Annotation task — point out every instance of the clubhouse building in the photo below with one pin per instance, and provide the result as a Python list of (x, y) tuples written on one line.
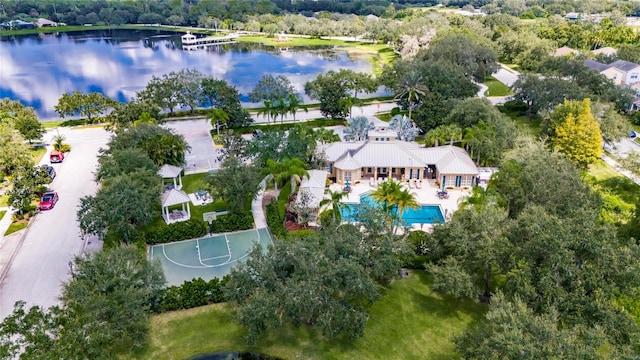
[(384, 157)]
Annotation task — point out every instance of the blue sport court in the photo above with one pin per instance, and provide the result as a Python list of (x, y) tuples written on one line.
[(207, 257)]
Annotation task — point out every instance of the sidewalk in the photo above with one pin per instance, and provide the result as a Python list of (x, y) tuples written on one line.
[(256, 207), (620, 169)]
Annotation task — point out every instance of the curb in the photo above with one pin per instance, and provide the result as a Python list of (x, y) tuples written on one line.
[(5, 269)]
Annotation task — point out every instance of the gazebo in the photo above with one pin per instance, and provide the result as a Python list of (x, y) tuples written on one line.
[(172, 172), (175, 197)]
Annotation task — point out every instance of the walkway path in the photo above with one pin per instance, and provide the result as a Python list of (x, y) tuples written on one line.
[(621, 169), (259, 218)]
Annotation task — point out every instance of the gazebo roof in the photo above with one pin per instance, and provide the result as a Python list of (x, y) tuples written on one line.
[(169, 171), (174, 197)]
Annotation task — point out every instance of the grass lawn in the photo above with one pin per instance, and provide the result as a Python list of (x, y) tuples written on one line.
[(2, 212), (16, 226), (377, 54), (409, 322), (618, 184), (496, 88), (51, 124), (191, 184), (37, 152), (4, 200)]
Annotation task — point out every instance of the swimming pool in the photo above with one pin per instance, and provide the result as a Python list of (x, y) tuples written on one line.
[(426, 214)]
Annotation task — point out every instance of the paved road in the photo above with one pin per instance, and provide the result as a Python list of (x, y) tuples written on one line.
[(52, 238), (506, 75)]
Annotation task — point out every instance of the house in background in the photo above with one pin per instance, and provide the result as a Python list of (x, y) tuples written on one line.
[(19, 25), (42, 22), (607, 50), (383, 156), (620, 72), (565, 51)]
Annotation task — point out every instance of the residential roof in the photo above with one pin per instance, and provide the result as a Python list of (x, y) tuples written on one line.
[(347, 162), (174, 197), (169, 171), (333, 151), (43, 21), (382, 132), (605, 50), (314, 185), (623, 65), (564, 51), (456, 161), (595, 65)]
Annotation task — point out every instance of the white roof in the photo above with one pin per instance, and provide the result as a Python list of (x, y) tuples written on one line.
[(174, 197), (169, 171), (313, 185), (386, 154), (608, 50), (383, 132), (456, 161), (334, 151), (347, 162), (43, 21)]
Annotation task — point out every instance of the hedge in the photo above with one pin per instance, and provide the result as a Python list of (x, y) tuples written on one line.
[(233, 221), (190, 229), (190, 294), (313, 123), (275, 220)]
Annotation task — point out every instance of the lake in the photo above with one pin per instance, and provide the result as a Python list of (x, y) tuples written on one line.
[(38, 69)]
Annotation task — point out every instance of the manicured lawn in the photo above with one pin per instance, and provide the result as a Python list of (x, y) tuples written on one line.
[(613, 181), (191, 184), (4, 200), (496, 88), (37, 153), (2, 213), (16, 226), (296, 41), (51, 124), (409, 322)]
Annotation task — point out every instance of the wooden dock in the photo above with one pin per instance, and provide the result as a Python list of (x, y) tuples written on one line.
[(191, 42)]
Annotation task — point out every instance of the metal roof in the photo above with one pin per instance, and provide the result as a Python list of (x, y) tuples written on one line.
[(347, 162), (169, 171), (313, 185), (174, 197)]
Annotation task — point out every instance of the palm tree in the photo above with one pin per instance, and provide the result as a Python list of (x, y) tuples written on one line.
[(282, 109), (276, 171), (294, 103), (294, 168), (218, 117), (325, 136), (387, 193), (335, 201), (269, 111), (405, 200), (411, 87)]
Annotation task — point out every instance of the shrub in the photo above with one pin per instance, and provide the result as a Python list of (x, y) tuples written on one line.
[(65, 148), (76, 122), (190, 229), (190, 294), (233, 221), (302, 234), (275, 220), (287, 126)]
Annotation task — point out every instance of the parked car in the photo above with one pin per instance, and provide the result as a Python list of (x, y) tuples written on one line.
[(48, 200), (50, 171), (56, 156), (633, 134)]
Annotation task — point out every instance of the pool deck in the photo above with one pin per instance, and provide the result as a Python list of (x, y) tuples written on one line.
[(425, 196)]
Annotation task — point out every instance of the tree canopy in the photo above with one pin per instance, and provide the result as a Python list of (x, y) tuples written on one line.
[(579, 137)]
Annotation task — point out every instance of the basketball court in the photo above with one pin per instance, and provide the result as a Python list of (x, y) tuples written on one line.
[(207, 257)]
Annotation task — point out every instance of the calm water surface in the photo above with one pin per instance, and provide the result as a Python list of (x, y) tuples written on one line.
[(38, 69)]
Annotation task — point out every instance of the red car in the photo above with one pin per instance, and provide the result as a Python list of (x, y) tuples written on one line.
[(48, 200), (56, 156)]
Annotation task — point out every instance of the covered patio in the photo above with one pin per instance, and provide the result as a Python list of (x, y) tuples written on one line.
[(171, 172), (174, 197)]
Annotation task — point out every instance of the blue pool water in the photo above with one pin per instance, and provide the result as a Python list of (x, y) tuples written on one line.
[(426, 214)]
